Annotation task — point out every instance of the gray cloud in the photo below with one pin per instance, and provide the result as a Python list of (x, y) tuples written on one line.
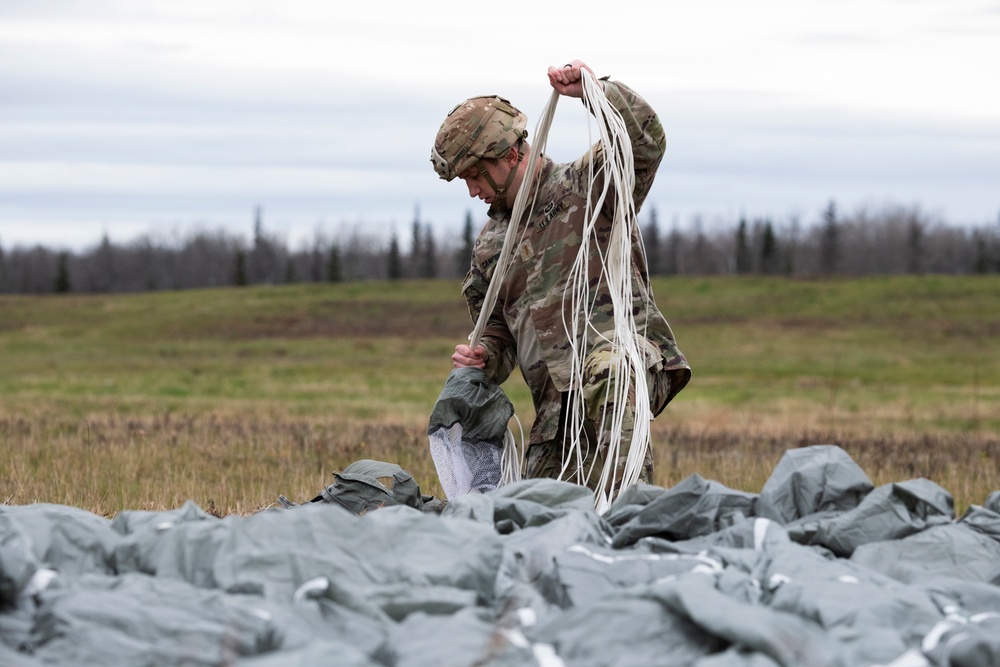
[(147, 136)]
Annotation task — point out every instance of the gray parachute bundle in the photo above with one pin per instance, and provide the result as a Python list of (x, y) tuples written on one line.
[(367, 485), (820, 569), (470, 443)]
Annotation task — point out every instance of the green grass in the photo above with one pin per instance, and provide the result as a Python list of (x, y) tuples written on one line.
[(235, 395), (924, 348)]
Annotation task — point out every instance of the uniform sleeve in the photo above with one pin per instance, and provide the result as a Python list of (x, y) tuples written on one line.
[(501, 349), (645, 131)]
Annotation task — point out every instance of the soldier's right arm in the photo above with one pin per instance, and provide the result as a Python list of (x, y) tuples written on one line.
[(501, 347)]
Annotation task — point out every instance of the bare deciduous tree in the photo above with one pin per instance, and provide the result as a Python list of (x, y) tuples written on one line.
[(891, 240)]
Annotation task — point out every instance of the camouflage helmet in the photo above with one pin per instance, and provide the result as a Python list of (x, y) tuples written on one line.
[(480, 127)]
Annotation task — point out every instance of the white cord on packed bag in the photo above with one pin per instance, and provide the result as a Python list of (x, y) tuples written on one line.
[(510, 458)]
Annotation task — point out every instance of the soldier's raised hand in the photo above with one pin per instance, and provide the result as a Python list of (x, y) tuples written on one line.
[(567, 80)]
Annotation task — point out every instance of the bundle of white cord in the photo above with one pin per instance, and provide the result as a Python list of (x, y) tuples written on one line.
[(628, 371), (616, 171)]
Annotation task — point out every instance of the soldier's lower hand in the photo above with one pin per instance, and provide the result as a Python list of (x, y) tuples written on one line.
[(465, 356)]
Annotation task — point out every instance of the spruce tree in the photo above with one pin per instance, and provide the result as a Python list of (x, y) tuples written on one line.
[(334, 265), (395, 267), (768, 249), (651, 239), (240, 268), (463, 256), (62, 284), (429, 268), (829, 251), (743, 264)]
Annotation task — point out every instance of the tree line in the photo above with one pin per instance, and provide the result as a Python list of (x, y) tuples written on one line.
[(892, 240)]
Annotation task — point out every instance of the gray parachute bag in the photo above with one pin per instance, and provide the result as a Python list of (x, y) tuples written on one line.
[(468, 434), (368, 485)]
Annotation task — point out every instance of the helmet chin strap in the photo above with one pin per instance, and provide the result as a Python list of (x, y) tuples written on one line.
[(500, 192)]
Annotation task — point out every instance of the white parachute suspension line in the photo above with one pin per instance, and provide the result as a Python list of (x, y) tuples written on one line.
[(628, 361), (577, 292), (511, 457), (580, 294), (520, 203)]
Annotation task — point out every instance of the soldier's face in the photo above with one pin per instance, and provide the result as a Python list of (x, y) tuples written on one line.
[(478, 185)]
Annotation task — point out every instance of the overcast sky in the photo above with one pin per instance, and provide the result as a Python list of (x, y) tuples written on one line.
[(132, 117)]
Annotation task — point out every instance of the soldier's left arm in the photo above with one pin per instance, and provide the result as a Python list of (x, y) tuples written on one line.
[(644, 130)]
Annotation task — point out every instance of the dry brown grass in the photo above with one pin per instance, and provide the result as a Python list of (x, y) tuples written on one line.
[(227, 464), (239, 464), (230, 397)]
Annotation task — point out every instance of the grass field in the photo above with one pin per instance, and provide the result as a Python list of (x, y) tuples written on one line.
[(229, 397)]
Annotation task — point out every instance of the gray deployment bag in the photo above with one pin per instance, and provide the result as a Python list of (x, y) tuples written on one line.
[(467, 434), (359, 488)]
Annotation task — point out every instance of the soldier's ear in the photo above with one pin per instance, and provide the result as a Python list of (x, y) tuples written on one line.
[(512, 157)]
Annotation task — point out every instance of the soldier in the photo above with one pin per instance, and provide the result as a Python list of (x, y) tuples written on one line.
[(483, 142)]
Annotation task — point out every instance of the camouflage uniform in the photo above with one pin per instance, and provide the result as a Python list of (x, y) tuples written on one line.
[(526, 327)]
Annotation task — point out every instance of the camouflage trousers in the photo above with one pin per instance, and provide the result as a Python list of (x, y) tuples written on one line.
[(546, 459)]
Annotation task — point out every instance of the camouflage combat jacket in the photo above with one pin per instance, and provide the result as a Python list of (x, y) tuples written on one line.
[(526, 327)]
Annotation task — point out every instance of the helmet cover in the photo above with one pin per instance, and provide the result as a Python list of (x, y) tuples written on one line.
[(480, 127)]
